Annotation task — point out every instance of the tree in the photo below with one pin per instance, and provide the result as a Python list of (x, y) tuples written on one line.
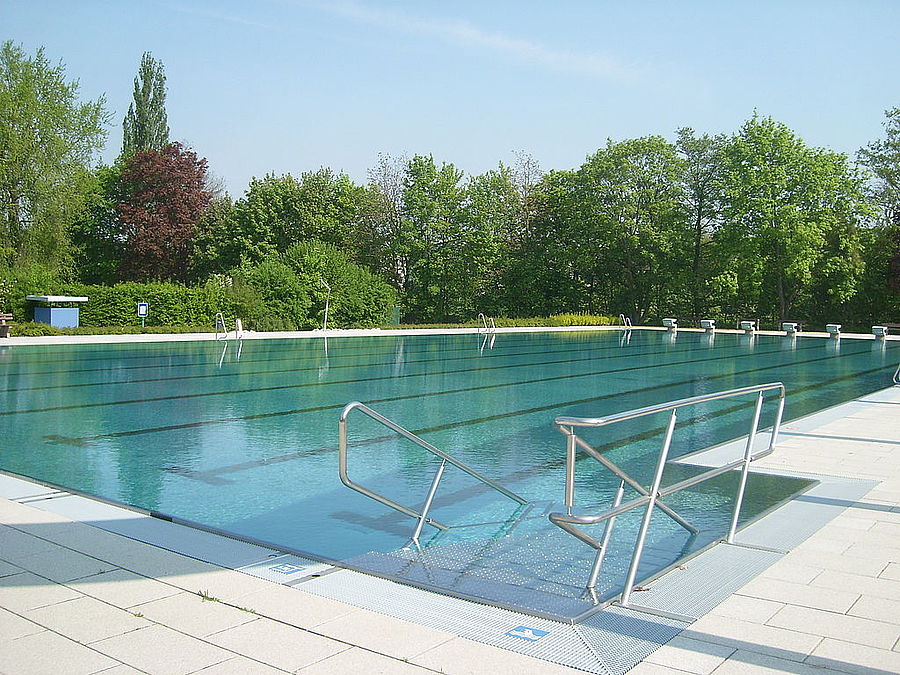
[(701, 179), (882, 157), (433, 200), (146, 125), (48, 139), (790, 215), (630, 243), (163, 197)]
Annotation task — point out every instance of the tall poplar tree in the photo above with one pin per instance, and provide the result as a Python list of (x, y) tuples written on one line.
[(146, 126)]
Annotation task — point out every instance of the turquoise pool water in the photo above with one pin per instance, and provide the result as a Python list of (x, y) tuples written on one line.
[(243, 437)]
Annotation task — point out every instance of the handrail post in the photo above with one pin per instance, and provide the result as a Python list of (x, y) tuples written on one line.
[(604, 543), (648, 514), (570, 469), (745, 469), (776, 427), (427, 505)]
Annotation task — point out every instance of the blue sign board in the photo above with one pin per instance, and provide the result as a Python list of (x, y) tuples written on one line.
[(526, 633), (143, 309)]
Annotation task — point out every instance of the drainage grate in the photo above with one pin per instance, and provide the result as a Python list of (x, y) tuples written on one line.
[(284, 569)]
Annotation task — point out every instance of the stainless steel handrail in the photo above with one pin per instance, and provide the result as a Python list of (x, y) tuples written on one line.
[(652, 497), (445, 458), (220, 323), (897, 375), (626, 321), (484, 320)]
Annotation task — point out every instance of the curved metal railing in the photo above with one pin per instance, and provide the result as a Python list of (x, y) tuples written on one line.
[(653, 496), (445, 459)]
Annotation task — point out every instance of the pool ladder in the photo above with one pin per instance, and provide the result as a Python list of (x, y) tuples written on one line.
[(421, 517), (484, 328), (652, 497), (222, 328)]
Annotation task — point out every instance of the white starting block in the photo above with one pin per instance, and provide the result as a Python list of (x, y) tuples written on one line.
[(880, 331), (833, 329), (789, 327), (671, 324), (708, 324), (748, 326)]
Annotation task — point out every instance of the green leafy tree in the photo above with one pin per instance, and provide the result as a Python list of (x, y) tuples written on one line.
[(48, 139), (278, 211), (882, 157), (790, 215), (97, 237), (146, 125), (433, 215), (702, 205), (630, 243)]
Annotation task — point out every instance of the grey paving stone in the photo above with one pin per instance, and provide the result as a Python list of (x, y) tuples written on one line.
[(162, 651), (86, 619)]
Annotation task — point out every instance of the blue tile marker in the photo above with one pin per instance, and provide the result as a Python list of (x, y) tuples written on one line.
[(287, 568), (526, 633)]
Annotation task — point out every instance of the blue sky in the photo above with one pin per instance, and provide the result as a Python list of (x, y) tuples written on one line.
[(291, 85)]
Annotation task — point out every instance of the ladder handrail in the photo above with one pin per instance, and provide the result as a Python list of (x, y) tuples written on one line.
[(446, 458), (484, 320), (897, 375), (626, 320), (220, 321), (569, 522)]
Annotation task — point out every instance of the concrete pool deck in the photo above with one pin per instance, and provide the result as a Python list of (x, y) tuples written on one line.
[(75, 598)]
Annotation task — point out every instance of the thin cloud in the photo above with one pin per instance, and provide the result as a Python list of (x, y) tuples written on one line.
[(466, 34)]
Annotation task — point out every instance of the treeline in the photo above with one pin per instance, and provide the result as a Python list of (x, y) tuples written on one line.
[(756, 224)]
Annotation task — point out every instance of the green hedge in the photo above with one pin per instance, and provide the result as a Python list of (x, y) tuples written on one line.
[(170, 304)]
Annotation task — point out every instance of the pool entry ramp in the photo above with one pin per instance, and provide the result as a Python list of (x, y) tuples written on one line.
[(522, 566)]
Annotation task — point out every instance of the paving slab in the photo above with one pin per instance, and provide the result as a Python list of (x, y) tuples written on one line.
[(293, 606), (46, 652), (162, 651), (86, 619), (123, 588), (13, 626), (276, 644), (787, 592), (384, 634), (193, 615), (854, 658), (690, 655), (21, 592), (839, 626), (356, 660)]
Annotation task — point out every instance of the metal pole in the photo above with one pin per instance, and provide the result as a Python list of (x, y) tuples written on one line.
[(327, 300), (648, 514), (777, 426), (604, 543), (748, 453), (431, 491), (570, 469)]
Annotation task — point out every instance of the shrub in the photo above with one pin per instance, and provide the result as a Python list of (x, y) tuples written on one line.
[(271, 297), (32, 329)]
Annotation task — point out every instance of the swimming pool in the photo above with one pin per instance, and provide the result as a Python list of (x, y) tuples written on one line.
[(242, 437)]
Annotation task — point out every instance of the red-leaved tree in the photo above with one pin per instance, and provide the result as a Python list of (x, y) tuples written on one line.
[(163, 196)]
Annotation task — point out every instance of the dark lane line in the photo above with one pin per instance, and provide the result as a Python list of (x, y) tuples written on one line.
[(213, 476), (299, 385), (440, 358), (292, 356), (86, 440), (511, 339)]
